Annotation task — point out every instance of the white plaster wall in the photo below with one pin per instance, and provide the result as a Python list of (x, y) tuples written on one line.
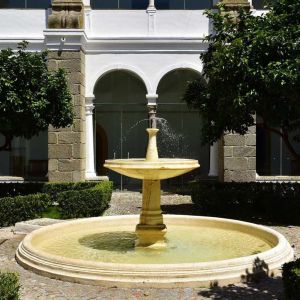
[(150, 67), (135, 23), (181, 23), (22, 23), (117, 23)]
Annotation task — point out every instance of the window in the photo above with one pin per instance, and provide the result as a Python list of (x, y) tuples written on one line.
[(27, 158), (183, 4), (273, 157), (119, 4), (258, 4), (25, 4), (143, 4)]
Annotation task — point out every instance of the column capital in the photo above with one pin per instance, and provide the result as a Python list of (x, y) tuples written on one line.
[(89, 105), (89, 101), (151, 99), (151, 7), (235, 5)]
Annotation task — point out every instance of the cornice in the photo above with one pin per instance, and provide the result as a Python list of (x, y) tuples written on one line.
[(77, 39)]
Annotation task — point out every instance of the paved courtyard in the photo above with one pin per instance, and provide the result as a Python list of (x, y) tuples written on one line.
[(38, 287)]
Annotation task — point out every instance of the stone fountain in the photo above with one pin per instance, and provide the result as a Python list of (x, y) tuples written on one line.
[(153, 250), (151, 228)]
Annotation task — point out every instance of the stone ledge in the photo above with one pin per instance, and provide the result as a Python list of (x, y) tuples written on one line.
[(97, 178), (8, 179), (26, 227), (278, 178)]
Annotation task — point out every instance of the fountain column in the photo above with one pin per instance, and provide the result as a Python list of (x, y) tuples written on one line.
[(90, 156), (151, 229)]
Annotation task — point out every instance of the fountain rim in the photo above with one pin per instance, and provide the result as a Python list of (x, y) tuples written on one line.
[(160, 162), (281, 243)]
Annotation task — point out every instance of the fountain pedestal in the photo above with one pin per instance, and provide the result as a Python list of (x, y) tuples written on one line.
[(151, 229)]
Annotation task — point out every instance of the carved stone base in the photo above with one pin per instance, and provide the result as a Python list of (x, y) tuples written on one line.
[(66, 14), (151, 236)]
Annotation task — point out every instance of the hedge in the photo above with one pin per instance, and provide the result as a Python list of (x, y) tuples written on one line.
[(73, 200), (9, 286), (20, 208), (85, 203), (276, 202), (26, 188), (291, 280)]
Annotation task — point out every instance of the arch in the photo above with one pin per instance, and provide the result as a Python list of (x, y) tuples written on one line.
[(179, 66), (122, 67)]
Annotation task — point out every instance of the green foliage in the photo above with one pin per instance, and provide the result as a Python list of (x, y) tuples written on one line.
[(52, 212), (65, 200), (291, 280), (53, 189), (21, 208), (31, 97), (9, 286), (85, 203), (252, 66), (276, 202), (20, 189)]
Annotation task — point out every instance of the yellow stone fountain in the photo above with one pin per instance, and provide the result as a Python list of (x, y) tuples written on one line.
[(151, 229), (194, 251)]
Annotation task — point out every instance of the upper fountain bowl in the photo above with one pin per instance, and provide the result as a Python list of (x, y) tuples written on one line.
[(162, 168)]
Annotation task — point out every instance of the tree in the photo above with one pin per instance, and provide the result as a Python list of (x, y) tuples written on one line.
[(252, 66), (31, 97)]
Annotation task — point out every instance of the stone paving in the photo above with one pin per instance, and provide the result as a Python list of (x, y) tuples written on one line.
[(38, 287)]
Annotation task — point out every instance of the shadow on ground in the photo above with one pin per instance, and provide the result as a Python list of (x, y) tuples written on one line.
[(267, 289), (258, 283)]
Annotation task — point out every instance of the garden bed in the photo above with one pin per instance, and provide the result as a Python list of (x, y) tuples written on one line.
[(25, 201), (251, 201)]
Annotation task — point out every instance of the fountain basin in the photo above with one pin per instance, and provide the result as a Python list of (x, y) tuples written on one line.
[(36, 254), (161, 168)]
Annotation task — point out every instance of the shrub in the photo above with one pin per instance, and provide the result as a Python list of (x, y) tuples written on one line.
[(81, 199), (9, 286), (85, 203), (53, 189), (291, 280), (279, 202), (20, 208)]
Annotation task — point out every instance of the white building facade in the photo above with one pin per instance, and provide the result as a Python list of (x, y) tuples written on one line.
[(121, 57)]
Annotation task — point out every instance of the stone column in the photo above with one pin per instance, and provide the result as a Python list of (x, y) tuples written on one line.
[(151, 11), (66, 146), (232, 6), (213, 160), (90, 156), (239, 156)]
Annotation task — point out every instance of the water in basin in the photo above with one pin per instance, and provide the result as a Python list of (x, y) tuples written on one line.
[(185, 244)]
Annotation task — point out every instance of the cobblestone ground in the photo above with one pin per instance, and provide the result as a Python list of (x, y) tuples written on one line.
[(38, 287)]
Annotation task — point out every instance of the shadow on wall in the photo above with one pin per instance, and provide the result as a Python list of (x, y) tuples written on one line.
[(257, 284)]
